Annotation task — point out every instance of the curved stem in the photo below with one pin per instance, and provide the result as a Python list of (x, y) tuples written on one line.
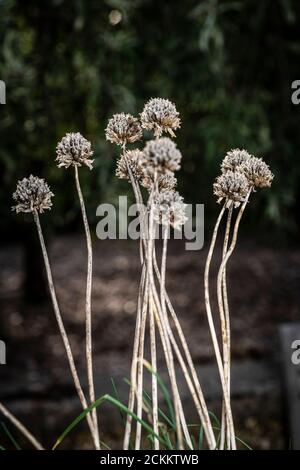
[(62, 327), (219, 284), (198, 394), (211, 322), (20, 427), (88, 307), (225, 327)]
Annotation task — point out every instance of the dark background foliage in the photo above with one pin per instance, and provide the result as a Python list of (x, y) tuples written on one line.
[(228, 66)]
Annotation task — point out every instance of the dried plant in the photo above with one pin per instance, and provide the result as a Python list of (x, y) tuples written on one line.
[(28, 198), (241, 174), (74, 150), (154, 169)]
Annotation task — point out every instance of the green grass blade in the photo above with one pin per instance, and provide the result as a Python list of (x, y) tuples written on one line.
[(97, 403), (10, 436)]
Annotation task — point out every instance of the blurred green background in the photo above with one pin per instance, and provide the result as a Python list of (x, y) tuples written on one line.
[(228, 66)]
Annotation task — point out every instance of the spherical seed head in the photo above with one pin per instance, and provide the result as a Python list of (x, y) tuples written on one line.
[(160, 115), (257, 173), (167, 182), (234, 159), (74, 150), (233, 186), (162, 155), (134, 159), (169, 209), (32, 194), (123, 129)]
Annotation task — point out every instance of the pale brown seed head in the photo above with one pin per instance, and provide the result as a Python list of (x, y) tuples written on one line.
[(257, 172), (74, 150), (162, 155), (234, 159), (32, 194), (123, 129), (134, 159), (233, 186), (160, 115), (169, 209)]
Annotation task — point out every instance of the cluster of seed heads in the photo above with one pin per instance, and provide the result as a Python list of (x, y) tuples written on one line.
[(241, 173), (154, 166), (74, 150), (160, 115), (32, 195)]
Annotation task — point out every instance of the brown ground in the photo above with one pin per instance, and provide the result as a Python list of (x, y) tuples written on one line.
[(264, 292)]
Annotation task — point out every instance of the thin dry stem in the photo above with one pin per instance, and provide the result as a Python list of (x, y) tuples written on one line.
[(211, 322), (62, 328), (225, 322), (21, 427), (88, 307)]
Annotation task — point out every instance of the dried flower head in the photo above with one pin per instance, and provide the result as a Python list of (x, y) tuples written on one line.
[(134, 159), (233, 186), (166, 182), (234, 159), (74, 150), (32, 194), (257, 173), (169, 209), (123, 129), (160, 115), (162, 155)]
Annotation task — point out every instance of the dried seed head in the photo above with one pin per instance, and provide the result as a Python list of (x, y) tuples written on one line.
[(169, 209), (74, 150), (160, 115), (257, 173), (162, 155), (32, 194), (123, 129), (234, 159), (166, 182), (135, 160), (233, 186)]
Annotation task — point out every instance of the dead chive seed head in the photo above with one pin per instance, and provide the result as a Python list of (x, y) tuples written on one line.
[(134, 159), (257, 173), (162, 155), (169, 209), (74, 150), (32, 194), (233, 159), (232, 186), (123, 129), (165, 182), (160, 115)]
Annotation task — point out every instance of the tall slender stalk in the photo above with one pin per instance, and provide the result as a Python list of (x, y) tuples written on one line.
[(62, 328), (225, 322), (134, 362), (196, 392), (221, 274), (211, 322), (88, 307), (21, 427)]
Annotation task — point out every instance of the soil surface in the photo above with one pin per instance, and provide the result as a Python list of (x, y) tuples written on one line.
[(35, 383)]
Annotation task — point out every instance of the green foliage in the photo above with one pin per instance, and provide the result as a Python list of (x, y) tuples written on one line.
[(228, 65)]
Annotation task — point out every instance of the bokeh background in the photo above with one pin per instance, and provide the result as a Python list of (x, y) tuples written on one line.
[(68, 66)]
